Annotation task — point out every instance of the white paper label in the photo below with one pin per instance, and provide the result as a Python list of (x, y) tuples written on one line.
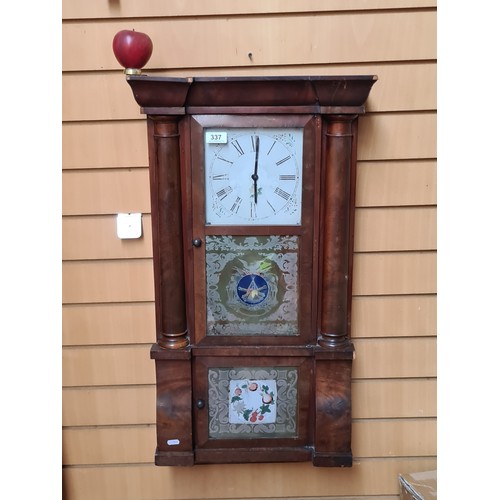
[(216, 137)]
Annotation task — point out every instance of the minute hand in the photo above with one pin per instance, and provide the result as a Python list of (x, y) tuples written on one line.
[(255, 176)]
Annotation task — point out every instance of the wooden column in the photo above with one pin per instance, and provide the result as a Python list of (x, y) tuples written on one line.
[(172, 353), (334, 353), (334, 332), (166, 216)]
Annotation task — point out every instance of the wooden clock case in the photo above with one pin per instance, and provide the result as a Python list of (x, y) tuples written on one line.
[(321, 355)]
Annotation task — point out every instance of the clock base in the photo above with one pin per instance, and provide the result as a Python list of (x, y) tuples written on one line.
[(252, 455), (176, 458), (332, 459)]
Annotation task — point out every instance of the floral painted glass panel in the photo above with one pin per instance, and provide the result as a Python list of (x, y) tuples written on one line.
[(252, 285), (252, 402)]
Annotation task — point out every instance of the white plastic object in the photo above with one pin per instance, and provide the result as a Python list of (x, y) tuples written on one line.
[(129, 226)]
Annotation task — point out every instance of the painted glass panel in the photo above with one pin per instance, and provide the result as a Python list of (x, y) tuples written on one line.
[(252, 285), (250, 402)]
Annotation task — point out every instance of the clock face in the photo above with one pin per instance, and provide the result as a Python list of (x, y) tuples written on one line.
[(253, 176)]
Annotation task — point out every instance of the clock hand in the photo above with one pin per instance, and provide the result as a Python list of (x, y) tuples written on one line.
[(255, 177)]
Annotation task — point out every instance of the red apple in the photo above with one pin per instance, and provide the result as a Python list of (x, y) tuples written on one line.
[(132, 48)]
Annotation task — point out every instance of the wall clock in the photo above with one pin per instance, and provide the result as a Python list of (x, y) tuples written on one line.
[(252, 202)]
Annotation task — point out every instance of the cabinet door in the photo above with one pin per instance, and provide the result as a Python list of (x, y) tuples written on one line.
[(244, 406), (249, 274)]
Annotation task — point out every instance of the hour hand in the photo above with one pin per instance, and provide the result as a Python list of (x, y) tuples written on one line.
[(255, 176)]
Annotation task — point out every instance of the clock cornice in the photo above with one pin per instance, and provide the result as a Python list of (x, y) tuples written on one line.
[(159, 95)]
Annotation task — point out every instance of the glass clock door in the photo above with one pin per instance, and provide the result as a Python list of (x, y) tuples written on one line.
[(253, 213)]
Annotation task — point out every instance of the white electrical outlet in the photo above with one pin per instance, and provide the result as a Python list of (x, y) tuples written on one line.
[(129, 226)]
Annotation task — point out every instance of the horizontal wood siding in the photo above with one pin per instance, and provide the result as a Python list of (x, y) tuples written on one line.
[(368, 477), (103, 96), (133, 322), (82, 9), (108, 395), (373, 36), (130, 364), (132, 444), (112, 145), (397, 398), (381, 229)]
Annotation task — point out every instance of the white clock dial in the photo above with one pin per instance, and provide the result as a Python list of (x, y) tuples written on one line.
[(253, 176)]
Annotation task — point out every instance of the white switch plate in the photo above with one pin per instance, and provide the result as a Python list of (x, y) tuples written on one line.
[(129, 226)]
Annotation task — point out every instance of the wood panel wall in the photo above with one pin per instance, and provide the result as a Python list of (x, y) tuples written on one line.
[(108, 318)]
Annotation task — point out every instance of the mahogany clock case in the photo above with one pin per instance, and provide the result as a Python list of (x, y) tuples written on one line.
[(231, 390)]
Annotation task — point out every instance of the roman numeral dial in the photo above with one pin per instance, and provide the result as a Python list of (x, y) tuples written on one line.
[(253, 176)]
